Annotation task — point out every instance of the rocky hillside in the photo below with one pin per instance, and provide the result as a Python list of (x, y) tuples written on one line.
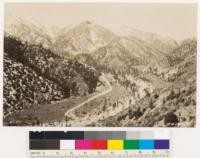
[(113, 49), (157, 74), (24, 87), (26, 30), (129, 52), (187, 49), (103, 46), (34, 75), (174, 104), (161, 43), (182, 62), (81, 39)]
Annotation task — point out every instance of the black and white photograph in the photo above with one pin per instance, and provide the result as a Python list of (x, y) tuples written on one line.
[(100, 64)]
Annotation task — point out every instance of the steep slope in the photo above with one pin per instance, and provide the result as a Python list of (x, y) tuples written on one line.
[(27, 30), (128, 52), (172, 105), (182, 62), (86, 58), (112, 49), (24, 87), (34, 75), (161, 43), (84, 38), (129, 47), (186, 50)]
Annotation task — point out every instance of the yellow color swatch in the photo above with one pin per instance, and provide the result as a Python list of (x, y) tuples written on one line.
[(115, 144)]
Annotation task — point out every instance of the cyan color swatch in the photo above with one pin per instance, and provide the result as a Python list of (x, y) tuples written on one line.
[(146, 144)]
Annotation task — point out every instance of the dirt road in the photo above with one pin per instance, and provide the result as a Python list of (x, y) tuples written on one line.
[(103, 79)]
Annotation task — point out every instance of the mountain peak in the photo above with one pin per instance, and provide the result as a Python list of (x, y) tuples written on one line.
[(87, 22)]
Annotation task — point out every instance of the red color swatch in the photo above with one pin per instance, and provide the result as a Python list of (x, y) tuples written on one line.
[(99, 144)]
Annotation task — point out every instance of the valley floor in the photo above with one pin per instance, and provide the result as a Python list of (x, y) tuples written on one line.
[(110, 105)]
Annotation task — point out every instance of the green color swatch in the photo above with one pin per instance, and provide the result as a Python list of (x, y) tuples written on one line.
[(131, 144)]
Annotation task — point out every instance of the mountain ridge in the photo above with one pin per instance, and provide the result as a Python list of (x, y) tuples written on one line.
[(133, 48)]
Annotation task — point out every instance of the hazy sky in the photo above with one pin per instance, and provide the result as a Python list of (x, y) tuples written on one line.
[(178, 21)]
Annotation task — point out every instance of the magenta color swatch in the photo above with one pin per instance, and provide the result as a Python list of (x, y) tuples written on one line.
[(83, 144)]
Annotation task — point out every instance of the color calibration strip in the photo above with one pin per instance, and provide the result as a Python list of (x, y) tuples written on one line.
[(99, 140)]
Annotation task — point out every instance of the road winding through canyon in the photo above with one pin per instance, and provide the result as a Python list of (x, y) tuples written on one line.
[(104, 80)]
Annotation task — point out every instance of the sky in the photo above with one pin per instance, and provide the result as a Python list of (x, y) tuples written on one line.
[(178, 21)]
